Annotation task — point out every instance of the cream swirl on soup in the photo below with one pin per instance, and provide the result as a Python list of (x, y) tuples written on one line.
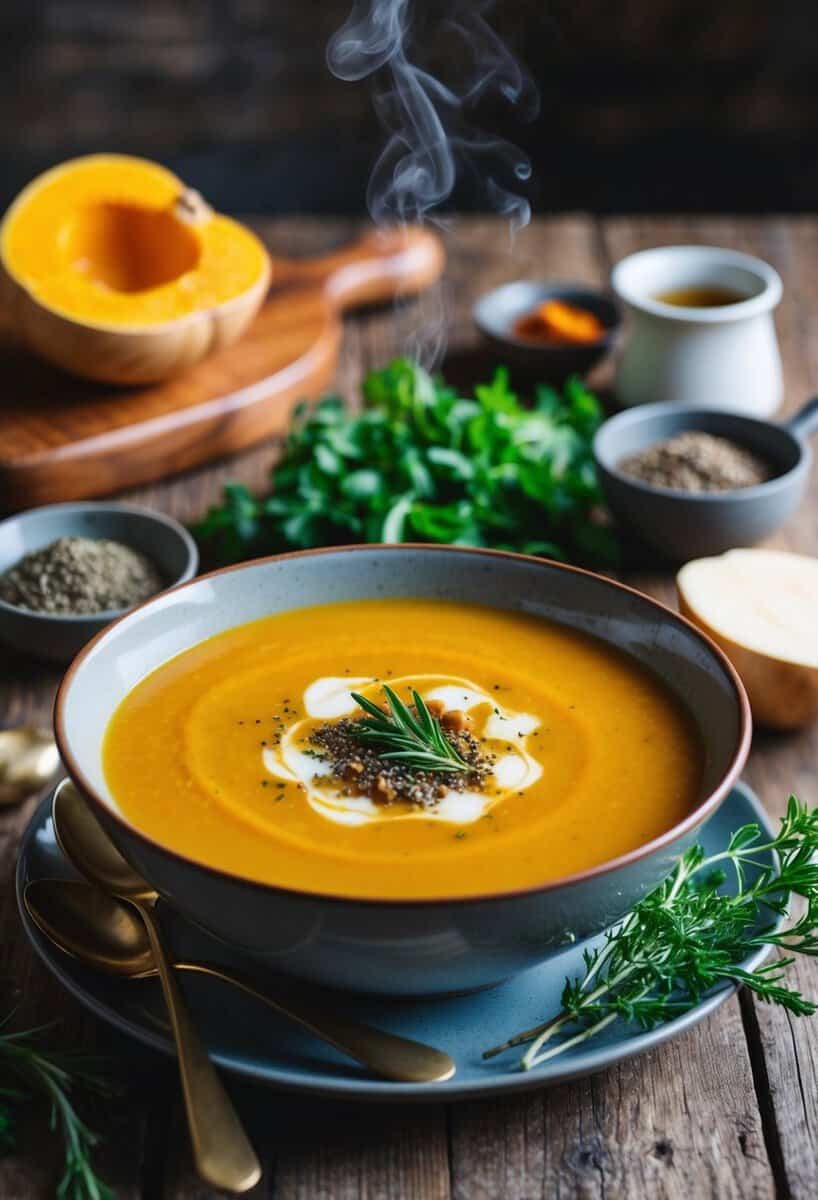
[(503, 736)]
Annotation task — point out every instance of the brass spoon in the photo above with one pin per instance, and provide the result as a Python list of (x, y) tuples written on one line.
[(28, 759), (95, 928), (223, 1155)]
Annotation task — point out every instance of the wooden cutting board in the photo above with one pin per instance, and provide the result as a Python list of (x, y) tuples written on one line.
[(64, 439)]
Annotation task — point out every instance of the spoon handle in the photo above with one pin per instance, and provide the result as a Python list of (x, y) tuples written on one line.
[(805, 421), (224, 1157), (399, 1059)]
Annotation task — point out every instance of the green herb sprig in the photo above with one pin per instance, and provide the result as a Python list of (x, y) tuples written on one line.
[(423, 463), (417, 742), (687, 936), (54, 1078)]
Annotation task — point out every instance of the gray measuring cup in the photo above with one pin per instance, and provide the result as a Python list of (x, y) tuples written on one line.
[(685, 525)]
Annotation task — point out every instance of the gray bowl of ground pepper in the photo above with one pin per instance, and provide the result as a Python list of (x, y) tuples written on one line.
[(68, 570), (697, 482)]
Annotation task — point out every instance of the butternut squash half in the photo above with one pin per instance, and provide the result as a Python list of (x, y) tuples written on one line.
[(117, 272)]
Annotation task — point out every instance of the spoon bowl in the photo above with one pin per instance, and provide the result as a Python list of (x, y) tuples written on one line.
[(28, 759), (91, 926), (223, 1155), (85, 843), (105, 933)]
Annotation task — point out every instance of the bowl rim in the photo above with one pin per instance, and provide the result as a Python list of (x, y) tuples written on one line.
[(107, 615), (567, 289), (762, 301), (758, 491), (693, 819)]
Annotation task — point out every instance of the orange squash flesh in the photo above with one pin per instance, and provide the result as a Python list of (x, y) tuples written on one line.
[(117, 245)]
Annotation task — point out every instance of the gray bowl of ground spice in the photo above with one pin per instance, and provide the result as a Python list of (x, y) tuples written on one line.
[(697, 482), (68, 570)]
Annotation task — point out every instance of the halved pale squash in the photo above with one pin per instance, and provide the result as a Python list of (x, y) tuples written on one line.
[(761, 607), (114, 270)]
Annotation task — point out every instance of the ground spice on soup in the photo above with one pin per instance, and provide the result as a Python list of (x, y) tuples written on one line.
[(80, 575), (697, 462), (362, 771)]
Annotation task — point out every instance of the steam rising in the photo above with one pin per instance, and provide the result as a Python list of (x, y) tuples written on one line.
[(429, 137)]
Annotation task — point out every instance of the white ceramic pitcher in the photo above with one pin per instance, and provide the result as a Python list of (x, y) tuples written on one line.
[(722, 357)]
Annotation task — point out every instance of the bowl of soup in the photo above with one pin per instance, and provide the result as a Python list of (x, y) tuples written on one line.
[(405, 769)]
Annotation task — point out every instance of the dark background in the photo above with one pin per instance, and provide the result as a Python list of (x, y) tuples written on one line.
[(647, 105)]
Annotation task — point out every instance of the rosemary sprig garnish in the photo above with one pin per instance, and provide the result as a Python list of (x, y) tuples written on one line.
[(53, 1078), (417, 742), (687, 936)]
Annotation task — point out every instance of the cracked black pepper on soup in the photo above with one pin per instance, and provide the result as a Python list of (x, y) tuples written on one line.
[(363, 769), (80, 575), (697, 462)]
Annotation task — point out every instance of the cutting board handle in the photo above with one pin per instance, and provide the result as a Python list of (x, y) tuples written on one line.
[(381, 265)]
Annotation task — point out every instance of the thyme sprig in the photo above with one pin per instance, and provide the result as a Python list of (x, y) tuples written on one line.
[(689, 935), (416, 741), (53, 1078)]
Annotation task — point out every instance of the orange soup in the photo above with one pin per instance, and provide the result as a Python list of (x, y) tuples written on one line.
[(246, 751)]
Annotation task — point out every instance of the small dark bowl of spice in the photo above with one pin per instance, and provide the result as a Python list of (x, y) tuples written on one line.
[(692, 482), (552, 329), (68, 570)]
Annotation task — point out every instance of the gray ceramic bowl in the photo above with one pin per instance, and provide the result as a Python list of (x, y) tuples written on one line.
[(496, 312), (685, 525), (401, 946), (60, 637)]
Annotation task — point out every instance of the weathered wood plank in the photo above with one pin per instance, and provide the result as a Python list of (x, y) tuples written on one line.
[(315, 1149), (782, 764), (667, 1125), (365, 1153)]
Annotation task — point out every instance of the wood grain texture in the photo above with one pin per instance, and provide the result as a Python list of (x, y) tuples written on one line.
[(63, 438), (727, 1111), (324, 1150), (787, 1055), (667, 1125)]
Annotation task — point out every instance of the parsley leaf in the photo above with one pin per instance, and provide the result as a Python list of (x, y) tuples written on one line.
[(422, 463)]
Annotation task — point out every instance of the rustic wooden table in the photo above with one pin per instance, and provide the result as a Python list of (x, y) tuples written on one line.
[(731, 1109)]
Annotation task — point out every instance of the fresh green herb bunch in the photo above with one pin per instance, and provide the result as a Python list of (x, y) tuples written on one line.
[(423, 463), (52, 1077), (416, 740), (688, 935)]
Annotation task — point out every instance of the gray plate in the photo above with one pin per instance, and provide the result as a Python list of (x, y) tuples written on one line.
[(246, 1038)]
